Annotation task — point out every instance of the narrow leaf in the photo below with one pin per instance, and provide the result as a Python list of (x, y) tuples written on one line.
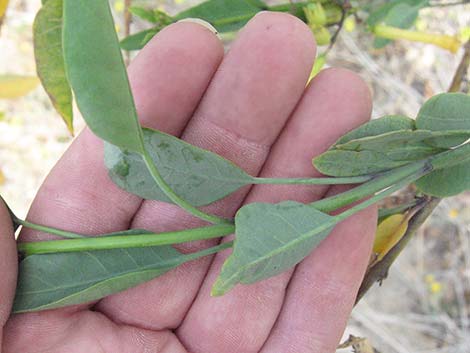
[(378, 126), (56, 280), (97, 74), (404, 139), (225, 15), (138, 40), (271, 238), (341, 163), (13, 86), (49, 57), (199, 176), (402, 144)]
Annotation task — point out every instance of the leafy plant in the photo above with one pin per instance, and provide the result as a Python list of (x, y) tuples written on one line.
[(384, 155)]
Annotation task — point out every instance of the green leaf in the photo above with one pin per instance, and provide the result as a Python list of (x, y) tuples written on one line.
[(342, 163), (378, 126), (97, 74), (402, 144), (50, 66), (271, 238), (447, 181), (380, 13), (55, 280), (446, 111), (153, 16), (401, 15), (199, 176), (224, 15), (138, 40)]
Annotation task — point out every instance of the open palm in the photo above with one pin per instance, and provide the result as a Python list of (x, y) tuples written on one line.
[(252, 107)]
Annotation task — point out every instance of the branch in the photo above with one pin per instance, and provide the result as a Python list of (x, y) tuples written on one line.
[(461, 70)]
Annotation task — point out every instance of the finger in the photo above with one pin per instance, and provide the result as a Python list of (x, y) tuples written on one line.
[(322, 291), (244, 317), (253, 93), (78, 194), (8, 267)]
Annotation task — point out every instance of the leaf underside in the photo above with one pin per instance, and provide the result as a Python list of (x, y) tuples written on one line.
[(60, 279), (97, 73), (270, 239), (199, 176)]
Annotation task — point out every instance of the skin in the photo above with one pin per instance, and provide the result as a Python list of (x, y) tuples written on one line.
[(252, 107)]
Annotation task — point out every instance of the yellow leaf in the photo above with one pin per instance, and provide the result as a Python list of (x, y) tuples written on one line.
[(3, 7), (2, 178), (389, 232), (12, 86)]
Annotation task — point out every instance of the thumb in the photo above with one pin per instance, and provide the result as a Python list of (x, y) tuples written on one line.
[(8, 267)]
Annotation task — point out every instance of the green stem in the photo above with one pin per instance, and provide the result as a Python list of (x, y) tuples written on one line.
[(161, 183), (372, 200), (125, 241), (313, 181), (386, 212), (46, 229), (209, 251), (375, 185)]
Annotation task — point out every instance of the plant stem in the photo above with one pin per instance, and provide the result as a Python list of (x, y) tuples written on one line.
[(378, 183), (125, 241), (50, 230), (161, 183), (313, 181), (370, 201), (386, 212), (209, 251)]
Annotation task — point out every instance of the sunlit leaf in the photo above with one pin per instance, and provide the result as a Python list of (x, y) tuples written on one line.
[(50, 64)]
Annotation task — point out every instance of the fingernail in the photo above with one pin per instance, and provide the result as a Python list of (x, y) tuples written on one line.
[(200, 22)]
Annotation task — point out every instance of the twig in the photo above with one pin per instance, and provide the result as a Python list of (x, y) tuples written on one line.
[(345, 7), (459, 75)]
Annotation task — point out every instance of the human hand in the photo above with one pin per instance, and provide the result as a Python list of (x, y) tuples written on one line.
[(251, 107)]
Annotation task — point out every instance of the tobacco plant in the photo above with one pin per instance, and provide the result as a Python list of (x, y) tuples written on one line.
[(382, 156)]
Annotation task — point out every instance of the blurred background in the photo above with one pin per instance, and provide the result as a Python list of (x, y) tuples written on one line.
[(424, 304)]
